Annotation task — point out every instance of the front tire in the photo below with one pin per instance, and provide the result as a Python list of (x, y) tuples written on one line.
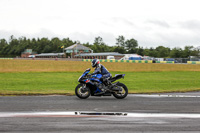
[(82, 92), (123, 93)]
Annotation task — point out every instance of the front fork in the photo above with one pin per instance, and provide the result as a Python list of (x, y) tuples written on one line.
[(84, 88)]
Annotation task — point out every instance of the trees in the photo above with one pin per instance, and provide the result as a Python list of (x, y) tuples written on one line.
[(188, 51), (162, 51), (195, 52), (131, 44), (55, 45), (120, 41), (176, 53), (3, 43), (127, 46), (13, 44), (98, 41), (99, 45), (14, 47), (3, 46), (119, 49), (96, 45), (67, 42), (140, 51)]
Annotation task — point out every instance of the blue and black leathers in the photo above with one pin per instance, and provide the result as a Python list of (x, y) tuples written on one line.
[(100, 69)]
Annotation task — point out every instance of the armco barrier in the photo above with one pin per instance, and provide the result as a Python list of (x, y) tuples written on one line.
[(125, 61), (171, 62), (193, 62)]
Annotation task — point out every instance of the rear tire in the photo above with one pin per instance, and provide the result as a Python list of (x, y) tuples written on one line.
[(82, 94), (124, 92)]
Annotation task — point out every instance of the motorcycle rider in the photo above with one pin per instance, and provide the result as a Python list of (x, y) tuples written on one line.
[(100, 69)]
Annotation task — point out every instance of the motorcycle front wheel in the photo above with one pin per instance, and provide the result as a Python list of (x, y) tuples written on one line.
[(121, 94), (82, 92)]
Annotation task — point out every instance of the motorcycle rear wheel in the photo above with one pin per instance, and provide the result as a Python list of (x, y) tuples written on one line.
[(123, 93), (82, 92)]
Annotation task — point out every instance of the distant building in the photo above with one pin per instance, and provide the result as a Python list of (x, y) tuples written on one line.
[(77, 49), (50, 55), (99, 55), (27, 53)]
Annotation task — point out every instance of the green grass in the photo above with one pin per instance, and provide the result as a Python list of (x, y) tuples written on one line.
[(27, 83)]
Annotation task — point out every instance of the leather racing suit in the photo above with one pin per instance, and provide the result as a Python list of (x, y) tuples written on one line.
[(100, 69)]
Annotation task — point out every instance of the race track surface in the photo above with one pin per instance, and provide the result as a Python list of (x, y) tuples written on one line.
[(175, 112)]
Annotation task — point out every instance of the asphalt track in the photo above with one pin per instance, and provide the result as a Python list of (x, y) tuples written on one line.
[(176, 112)]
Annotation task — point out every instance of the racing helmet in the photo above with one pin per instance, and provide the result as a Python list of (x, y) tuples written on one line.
[(95, 62)]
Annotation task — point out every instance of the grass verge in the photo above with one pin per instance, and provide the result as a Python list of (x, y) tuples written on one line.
[(79, 66), (49, 83)]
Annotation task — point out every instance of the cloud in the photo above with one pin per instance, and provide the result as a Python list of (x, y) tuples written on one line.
[(122, 20), (177, 39), (7, 34), (108, 38), (163, 24), (151, 24), (191, 25), (42, 33)]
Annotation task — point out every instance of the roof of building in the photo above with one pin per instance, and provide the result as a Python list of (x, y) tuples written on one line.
[(77, 47), (50, 54), (132, 55), (101, 54)]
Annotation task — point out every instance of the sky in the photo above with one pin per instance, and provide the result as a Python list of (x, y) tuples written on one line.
[(169, 23)]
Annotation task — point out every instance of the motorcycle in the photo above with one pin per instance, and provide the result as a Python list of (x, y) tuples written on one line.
[(92, 85)]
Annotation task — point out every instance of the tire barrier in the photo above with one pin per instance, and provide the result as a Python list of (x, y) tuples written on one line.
[(132, 61), (125, 61), (193, 62), (165, 62)]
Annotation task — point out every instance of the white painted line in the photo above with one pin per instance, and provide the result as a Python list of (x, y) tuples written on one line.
[(29, 114), (163, 115), (72, 114), (160, 96)]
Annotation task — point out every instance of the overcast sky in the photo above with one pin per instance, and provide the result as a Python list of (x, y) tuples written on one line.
[(170, 23)]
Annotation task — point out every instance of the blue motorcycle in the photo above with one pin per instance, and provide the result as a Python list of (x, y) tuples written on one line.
[(92, 85)]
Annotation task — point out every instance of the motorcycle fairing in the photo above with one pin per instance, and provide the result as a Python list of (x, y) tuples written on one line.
[(117, 76)]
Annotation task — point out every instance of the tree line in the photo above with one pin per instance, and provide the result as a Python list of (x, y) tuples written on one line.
[(15, 46)]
